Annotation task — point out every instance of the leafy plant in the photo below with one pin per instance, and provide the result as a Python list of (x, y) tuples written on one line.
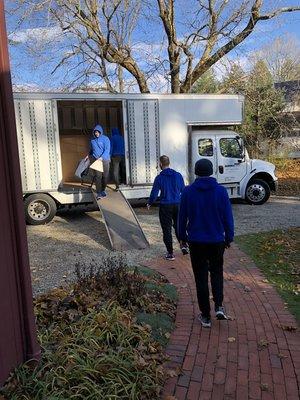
[(101, 337), (103, 355)]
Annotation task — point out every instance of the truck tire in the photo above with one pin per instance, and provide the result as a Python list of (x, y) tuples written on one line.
[(40, 209), (257, 192)]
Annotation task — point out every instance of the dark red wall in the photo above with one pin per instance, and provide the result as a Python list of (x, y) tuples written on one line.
[(18, 340)]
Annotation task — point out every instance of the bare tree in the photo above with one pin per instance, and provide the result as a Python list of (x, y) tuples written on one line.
[(196, 34), (282, 57)]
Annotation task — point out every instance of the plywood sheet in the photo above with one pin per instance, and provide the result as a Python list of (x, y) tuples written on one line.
[(73, 149)]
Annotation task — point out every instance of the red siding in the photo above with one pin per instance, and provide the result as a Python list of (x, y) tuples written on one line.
[(18, 340)]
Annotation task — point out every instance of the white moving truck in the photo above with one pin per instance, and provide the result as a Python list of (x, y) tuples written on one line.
[(54, 130)]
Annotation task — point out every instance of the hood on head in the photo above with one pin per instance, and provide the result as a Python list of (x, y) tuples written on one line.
[(99, 129), (205, 183), (115, 132)]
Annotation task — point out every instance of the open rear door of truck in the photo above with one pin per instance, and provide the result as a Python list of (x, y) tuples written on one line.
[(123, 227)]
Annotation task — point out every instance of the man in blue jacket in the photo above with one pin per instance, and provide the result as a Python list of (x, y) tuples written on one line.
[(100, 149), (170, 184), (206, 222), (117, 151)]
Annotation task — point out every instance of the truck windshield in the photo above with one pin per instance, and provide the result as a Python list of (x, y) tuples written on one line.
[(231, 148)]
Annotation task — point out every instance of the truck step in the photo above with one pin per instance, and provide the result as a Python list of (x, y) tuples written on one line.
[(122, 225)]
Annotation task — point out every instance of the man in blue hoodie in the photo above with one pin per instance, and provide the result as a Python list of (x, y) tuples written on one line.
[(170, 184), (206, 222), (100, 149), (117, 151)]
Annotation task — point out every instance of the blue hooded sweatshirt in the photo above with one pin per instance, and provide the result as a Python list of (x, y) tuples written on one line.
[(170, 184), (100, 146), (117, 143), (205, 213)]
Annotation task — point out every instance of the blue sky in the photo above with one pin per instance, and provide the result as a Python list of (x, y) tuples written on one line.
[(32, 66)]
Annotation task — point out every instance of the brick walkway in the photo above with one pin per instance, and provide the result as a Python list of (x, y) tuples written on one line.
[(250, 356)]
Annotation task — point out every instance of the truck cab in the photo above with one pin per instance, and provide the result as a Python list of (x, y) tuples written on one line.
[(252, 180)]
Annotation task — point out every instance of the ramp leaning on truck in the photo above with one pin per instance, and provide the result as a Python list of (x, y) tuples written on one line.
[(123, 227)]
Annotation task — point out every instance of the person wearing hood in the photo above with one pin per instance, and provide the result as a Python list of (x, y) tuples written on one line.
[(117, 152), (100, 149), (206, 222), (170, 184)]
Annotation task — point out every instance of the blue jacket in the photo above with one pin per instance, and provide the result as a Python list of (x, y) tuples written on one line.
[(117, 143), (100, 146), (205, 213), (170, 184)]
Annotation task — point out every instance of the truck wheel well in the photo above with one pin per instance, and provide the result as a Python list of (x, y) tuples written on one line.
[(48, 194), (265, 177)]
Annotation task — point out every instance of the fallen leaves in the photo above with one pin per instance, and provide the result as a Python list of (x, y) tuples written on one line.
[(263, 344), (281, 356), (230, 318), (289, 328), (172, 373), (231, 339), (264, 387)]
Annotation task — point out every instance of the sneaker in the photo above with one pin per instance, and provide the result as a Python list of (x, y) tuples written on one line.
[(103, 194), (220, 313), (185, 250), (170, 257), (205, 321), (99, 197)]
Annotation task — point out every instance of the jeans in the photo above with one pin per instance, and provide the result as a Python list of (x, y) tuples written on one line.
[(168, 215), (208, 257), (100, 178), (118, 163)]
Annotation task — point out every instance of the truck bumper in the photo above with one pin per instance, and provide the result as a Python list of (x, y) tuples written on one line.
[(275, 185)]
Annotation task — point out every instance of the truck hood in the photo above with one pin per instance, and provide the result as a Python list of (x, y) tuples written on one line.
[(262, 165)]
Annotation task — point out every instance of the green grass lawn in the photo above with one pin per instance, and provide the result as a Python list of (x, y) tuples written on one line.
[(276, 253)]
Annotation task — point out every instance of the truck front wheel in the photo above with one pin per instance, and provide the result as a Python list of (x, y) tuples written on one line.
[(257, 192), (39, 209)]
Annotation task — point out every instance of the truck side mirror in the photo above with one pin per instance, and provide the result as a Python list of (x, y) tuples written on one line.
[(242, 147)]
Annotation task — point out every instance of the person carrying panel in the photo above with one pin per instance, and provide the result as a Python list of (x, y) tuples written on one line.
[(100, 150)]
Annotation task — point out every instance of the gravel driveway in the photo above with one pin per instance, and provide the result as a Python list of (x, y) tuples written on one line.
[(77, 236)]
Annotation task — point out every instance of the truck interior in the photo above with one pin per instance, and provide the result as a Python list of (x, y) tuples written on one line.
[(76, 120)]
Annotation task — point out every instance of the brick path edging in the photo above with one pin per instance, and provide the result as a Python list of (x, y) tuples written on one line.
[(250, 356)]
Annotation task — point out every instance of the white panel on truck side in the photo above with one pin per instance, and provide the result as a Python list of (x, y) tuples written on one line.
[(37, 145), (154, 145), (143, 132), (25, 145), (42, 143)]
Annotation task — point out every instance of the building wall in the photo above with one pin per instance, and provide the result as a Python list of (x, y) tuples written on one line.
[(18, 341)]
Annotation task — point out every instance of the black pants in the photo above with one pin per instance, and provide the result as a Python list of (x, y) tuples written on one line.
[(208, 257), (100, 178), (118, 163), (168, 215)]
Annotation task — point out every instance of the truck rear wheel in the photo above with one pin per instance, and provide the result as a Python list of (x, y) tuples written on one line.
[(40, 209), (257, 192)]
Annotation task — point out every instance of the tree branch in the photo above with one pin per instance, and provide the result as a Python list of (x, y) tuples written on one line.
[(166, 13), (206, 62)]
